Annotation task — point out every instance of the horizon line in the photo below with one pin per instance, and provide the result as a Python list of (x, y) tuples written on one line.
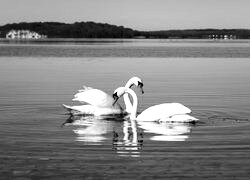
[(179, 29)]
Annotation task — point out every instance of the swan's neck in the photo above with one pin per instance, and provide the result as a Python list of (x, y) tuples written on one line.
[(127, 103), (129, 83), (135, 104), (126, 99)]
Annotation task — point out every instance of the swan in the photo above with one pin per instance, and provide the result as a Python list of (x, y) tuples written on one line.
[(166, 112), (99, 103)]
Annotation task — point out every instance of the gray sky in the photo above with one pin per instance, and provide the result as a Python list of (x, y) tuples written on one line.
[(136, 14)]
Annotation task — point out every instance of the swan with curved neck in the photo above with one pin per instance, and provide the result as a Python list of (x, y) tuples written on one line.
[(169, 112), (98, 102), (132, 81)]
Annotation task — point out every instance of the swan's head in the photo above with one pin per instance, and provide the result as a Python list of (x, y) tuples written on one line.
[(118, 93), (137, 82)]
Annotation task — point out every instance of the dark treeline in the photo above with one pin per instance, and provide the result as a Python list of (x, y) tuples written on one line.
[(101, 30), (198, 33), (75, 30)]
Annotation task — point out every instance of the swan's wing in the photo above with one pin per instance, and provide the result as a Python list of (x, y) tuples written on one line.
[(85, 88), (160, 111), (94, 97)]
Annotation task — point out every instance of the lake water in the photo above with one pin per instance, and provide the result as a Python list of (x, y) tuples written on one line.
[(39, 140)]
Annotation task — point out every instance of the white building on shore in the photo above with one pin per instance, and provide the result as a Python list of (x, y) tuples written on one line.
[(225, 37), (23, 34)]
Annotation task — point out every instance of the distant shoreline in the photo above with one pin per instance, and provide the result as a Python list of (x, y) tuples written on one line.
[(92, 30), (117, 40)]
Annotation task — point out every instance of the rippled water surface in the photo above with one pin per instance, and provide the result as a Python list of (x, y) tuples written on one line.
[(40, 140)]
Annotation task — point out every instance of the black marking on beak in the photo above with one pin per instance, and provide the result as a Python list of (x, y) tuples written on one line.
[(115, 97), (142, 91), (140, 85)]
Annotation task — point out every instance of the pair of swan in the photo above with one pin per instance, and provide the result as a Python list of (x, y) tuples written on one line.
[(100, 103), (97, 102)]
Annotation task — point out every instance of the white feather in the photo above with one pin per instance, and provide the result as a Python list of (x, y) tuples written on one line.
[(156, 112), (95, 97)]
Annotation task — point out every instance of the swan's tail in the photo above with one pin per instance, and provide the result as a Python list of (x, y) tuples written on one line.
[(69, 108), (75, 99), (74, 110)]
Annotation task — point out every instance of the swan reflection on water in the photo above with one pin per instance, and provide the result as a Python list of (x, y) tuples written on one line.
[(127, 136), (90, 129), (131, 142), (166, 131)]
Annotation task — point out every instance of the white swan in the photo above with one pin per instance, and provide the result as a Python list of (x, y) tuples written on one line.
[(167, 112), (98, 102)]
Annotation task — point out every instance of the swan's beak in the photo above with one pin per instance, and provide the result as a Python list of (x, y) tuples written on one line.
[(140, 84), (115, 97), (142, 91)]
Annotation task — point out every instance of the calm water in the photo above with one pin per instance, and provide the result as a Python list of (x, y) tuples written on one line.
[(40, 140)]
